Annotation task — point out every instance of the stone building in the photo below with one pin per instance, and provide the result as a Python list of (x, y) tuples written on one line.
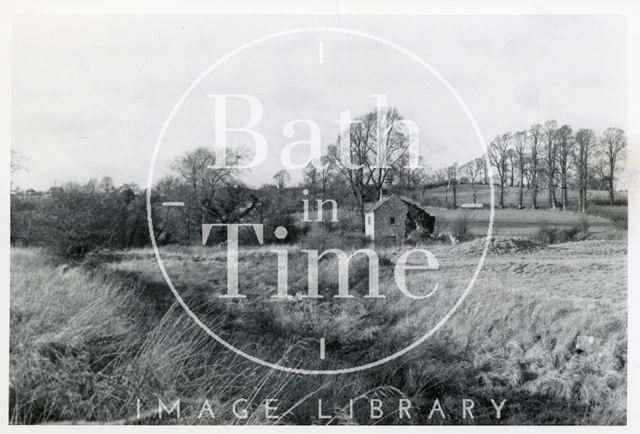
[(394, 217)]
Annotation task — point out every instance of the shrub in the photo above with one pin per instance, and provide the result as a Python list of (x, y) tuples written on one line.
[(553, 234), (72, 223), (583, 223), (461, 224), (294, 231), (419, 235)]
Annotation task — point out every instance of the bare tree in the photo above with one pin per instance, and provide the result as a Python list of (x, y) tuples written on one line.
[(520, 150), (511, 157), (194, 167), (326, 172), (281, 178), (424, 181), (613, 142), (391, 150), (498, 150), (403, 175), (585, 139), (106, 184), (442, 180), (565, 145), (550, 129), (535, 141), (481, 162), (472, 170), (311, 175), (366, 152), (452, 177)]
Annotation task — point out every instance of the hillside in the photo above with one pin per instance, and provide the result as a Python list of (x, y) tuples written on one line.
[(511, 196)]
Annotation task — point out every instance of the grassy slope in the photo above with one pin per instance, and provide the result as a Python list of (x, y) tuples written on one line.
[(510, 221), (515, 222), (511, 196), (84, 346)]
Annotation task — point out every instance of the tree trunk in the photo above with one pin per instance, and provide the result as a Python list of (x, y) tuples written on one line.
[(552, 191), (187, 226), (454, 197), (584, 195), (564, 192), (502, 183), (611, 170), (611, 197), (580, 187), (521, 191), (534, 181)]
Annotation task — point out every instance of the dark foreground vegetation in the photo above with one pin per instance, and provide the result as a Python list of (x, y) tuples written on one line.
[(85, 345)]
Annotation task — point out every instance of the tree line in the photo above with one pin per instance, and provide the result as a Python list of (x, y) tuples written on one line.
[(79, 218), (557, 158)]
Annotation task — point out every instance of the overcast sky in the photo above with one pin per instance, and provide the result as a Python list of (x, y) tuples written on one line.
[(90, 94)]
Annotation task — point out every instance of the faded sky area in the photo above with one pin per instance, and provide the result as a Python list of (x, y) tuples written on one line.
[(91, 94)]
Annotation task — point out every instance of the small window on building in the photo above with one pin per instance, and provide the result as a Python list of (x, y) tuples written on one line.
[(368, 219), (392, 220)]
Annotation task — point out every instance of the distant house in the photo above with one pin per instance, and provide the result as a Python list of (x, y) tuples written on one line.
[(394, 217)]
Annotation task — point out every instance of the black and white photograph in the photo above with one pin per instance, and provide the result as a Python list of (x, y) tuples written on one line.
[(331, 217)]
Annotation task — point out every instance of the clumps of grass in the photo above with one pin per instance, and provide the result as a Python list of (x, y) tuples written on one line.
[(85, 346), (419, 236), (547, 234), (502, 246)]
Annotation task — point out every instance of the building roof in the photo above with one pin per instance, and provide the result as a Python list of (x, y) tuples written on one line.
[(374, 206)]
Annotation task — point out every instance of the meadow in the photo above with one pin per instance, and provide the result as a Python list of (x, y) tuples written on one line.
[(544, 328), (464, 194), (512, 221)]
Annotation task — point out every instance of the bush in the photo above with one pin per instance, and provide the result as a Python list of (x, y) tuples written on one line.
[(553, 234), (73, 223), (419, 235), (583, 223), (294, 231), (462, 224)]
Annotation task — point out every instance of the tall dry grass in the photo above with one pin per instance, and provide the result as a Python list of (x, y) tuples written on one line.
[(85, 345)]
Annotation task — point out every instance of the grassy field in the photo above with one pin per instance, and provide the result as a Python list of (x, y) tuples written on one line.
[(511, 221), (516, 222), (511, 196), (544, 328)]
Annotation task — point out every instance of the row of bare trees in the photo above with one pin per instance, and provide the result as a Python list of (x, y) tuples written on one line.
[(543, 157), (556, 158)]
